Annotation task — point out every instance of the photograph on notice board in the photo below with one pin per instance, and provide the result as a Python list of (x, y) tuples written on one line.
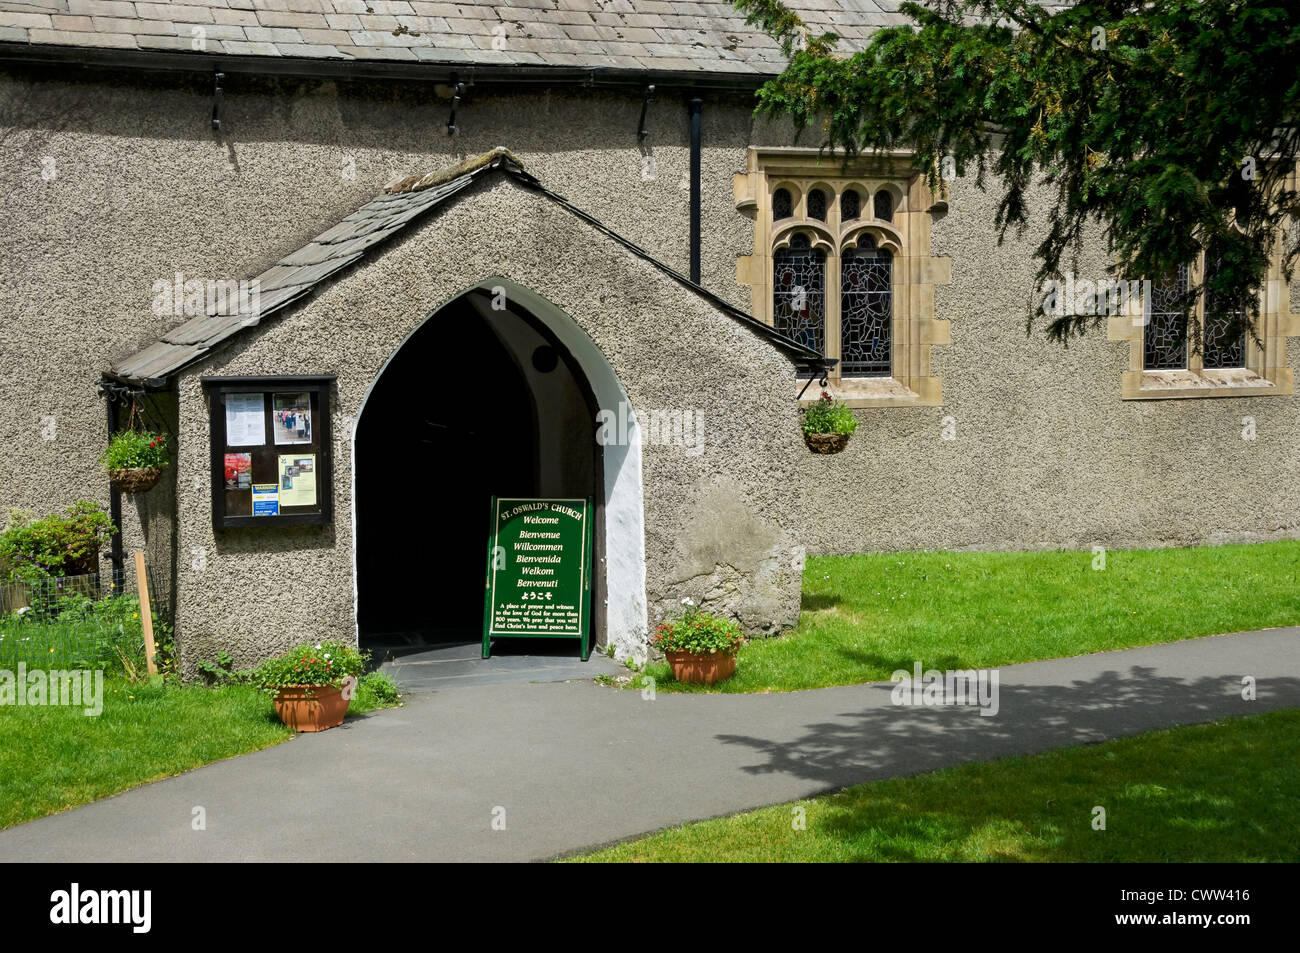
[(297, 480), (291, 418), (239, 471)]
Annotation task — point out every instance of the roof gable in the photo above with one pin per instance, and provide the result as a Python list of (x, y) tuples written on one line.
[(298, 275)]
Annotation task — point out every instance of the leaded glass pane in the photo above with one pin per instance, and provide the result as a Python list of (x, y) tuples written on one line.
[(782, 205), (817, 205), (884, 205), (866, 312), (1164, 340), (799, 294), (850, 205), (1221, 346)]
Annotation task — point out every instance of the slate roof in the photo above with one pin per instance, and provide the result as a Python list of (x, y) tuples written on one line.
[(405, 200), (665, 36)]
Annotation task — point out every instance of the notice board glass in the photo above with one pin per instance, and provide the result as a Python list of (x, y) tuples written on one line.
[(271, 460)]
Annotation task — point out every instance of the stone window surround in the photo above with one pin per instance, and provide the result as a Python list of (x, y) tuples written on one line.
[(1266, 373), (906, 236)]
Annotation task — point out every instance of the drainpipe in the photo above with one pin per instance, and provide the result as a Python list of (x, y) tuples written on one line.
[(696, 103), (114, 494)]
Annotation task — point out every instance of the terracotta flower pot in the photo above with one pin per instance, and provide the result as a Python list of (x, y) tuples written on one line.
[(135, 480), (703, 668), (826, 442), (311, 707)]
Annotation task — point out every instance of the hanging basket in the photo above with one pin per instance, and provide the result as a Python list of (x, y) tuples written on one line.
[(135, 480), (826, 442)]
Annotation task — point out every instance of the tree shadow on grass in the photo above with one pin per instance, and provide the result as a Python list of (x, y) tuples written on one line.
[(872, 661), (883, 740)]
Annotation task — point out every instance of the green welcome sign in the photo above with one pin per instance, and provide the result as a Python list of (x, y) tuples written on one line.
[(539, 571)]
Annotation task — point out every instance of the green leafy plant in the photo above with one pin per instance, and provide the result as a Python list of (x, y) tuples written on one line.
[(64, 544), (220, 672), (828, 415), (698, 631), (322, 664), (382, 689), (134, 450)]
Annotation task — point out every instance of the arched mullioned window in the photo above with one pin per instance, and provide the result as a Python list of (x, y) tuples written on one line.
[(883, 205), (866, 310), (815, 279), (782, 204), (850, 205), (799, 293), (817, 205)]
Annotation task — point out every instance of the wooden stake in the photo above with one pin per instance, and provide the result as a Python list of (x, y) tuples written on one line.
[(146, 613)]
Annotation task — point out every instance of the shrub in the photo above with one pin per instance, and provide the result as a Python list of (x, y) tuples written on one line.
[(829, 416), (322, 664), (55, 545), (135, 449), (699, 632)]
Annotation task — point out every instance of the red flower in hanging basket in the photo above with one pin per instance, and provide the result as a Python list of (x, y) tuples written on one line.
[(826, 396)]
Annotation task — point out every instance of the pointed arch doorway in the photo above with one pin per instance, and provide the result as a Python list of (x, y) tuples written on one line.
[(496, 393)]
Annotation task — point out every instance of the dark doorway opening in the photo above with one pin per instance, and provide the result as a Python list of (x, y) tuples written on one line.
[(479, 402)]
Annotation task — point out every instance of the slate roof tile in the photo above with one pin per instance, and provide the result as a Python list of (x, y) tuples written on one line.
[(699, 37)]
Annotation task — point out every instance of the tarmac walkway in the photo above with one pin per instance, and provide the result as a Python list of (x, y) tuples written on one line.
[(574, 764)]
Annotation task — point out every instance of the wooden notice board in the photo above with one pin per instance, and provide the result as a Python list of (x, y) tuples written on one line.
[(539, 571), (271, 443)]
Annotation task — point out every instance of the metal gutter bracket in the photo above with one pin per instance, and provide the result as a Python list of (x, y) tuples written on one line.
[(455, 103), (641, 130), (217, 94)]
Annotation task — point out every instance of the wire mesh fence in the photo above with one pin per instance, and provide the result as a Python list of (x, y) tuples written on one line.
[(91, 621)]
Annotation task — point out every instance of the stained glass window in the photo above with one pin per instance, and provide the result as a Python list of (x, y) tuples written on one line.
[(866, 312), (817, 205), (799, 293), (1164, 339), (850, 205), (884, 205), (782, 205), (1221, 344)]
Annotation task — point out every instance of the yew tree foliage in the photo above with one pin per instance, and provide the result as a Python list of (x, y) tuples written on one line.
[(1148, 119)]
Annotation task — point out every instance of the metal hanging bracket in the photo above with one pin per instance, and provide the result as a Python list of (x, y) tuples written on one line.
[(455, 103), (217, 79), (641, 130), (825, 380)]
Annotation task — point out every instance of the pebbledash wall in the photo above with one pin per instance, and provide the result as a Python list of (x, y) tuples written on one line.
[(1044, 452), (719, 526)]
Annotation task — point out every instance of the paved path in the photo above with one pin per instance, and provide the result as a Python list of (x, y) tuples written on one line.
[(440, 667), (575, 764)]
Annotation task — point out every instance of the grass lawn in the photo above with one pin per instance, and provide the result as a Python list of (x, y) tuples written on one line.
[(53, 758), (866, 616), (1228, 791)]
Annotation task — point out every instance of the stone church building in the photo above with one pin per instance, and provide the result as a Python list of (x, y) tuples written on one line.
[(416, 251)]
